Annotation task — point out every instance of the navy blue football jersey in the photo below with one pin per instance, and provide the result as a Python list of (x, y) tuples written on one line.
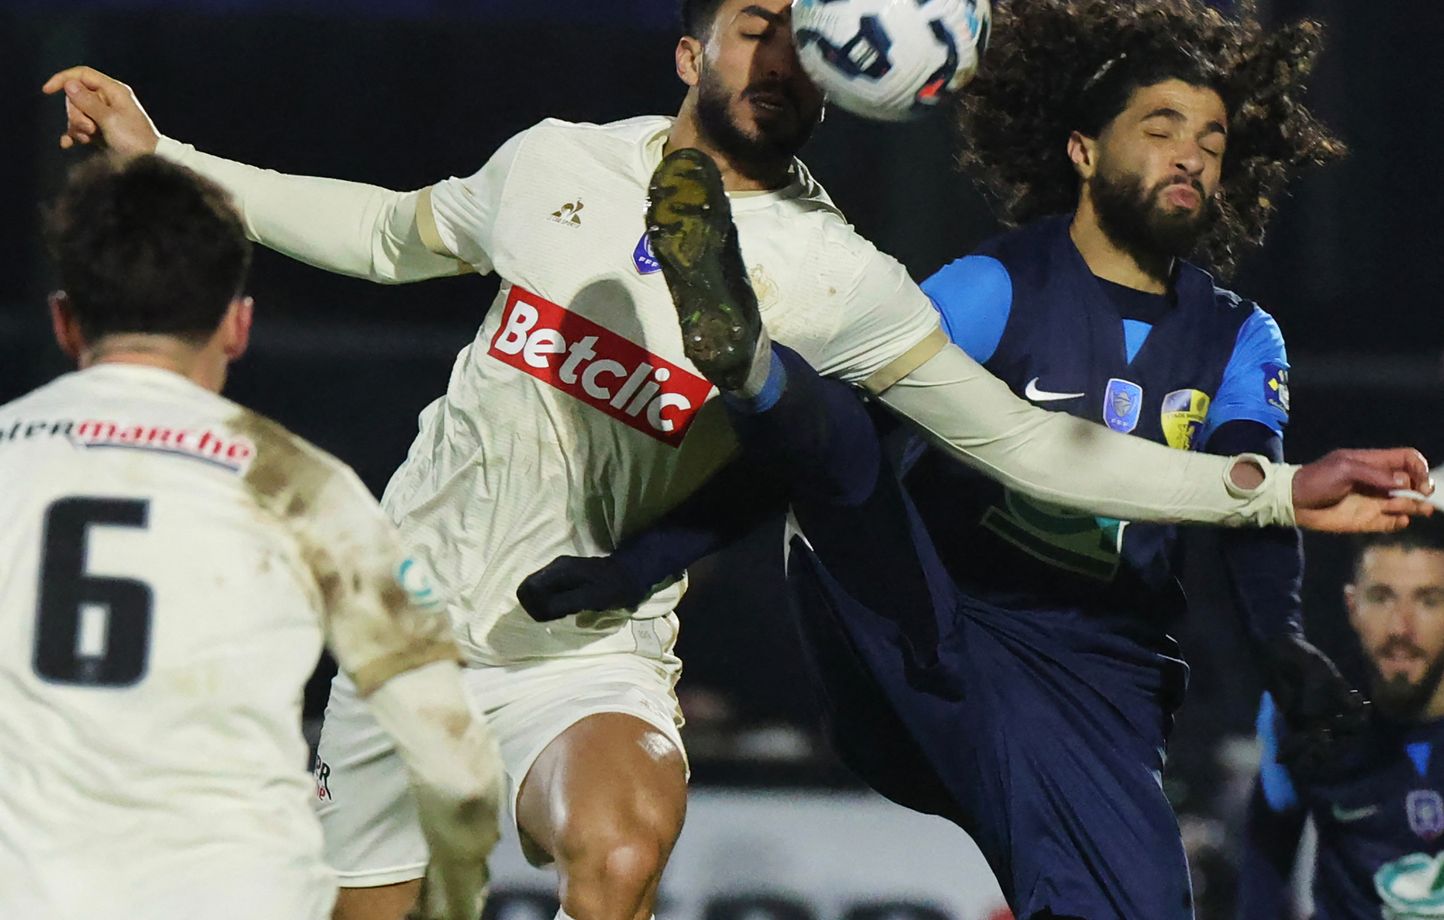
[(1027, 307), (1379, 812)]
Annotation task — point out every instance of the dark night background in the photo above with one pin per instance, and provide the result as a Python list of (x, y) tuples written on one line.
[(403, 92)]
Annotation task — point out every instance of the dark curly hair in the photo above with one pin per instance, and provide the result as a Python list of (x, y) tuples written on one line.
[(1056, 66)]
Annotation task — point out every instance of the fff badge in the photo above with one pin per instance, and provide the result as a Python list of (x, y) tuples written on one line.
[(644, 258), (1183, 415), (1426, 813), (1122, 405)]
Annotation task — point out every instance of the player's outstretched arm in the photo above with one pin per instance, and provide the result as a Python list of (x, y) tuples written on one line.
[(455, 771), (1077, 464), (390, 633), (345, 227)]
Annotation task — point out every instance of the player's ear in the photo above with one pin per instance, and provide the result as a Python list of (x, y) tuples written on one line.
[(689, 59), (1083, 151), (236, 327), (66, 326), (1350, 600)]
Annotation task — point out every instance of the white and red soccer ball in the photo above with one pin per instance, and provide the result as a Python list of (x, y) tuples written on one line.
[(890, 60)]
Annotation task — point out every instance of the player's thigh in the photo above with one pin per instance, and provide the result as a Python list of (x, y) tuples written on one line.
[(1071, 810), (610, 777), (384, 902), (552, 717)]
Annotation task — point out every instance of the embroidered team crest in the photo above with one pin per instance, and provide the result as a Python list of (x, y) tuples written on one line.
[(1183, 415), (1276, 386), (644, 258), (1122, 405), (1426, 813)]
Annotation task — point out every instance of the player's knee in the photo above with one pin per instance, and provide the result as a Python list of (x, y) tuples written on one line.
[(608, 875)]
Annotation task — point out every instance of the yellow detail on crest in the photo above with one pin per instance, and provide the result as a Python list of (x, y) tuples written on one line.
[(1183, 415)]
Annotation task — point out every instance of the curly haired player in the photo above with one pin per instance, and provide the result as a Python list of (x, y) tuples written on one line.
[(994, 658)]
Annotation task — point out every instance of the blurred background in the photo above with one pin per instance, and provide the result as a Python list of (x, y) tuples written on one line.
[(403, 92)]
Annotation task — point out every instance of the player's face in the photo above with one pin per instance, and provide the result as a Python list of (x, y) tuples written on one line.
[(1396, 605), (1159, 164), (754, 100)]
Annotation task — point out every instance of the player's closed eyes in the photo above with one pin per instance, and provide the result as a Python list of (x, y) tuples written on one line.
[(1379, 595), (1432, 598)]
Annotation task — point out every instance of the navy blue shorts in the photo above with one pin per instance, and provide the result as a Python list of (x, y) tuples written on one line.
[(1042, 737)]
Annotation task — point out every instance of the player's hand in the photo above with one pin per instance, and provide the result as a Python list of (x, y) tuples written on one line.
[(102, 110), (571, 584), (1347, 491), (1319, 707), (452, 892)]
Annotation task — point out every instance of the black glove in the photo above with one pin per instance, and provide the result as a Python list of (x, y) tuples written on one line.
[(1320, 709), (570, 584)]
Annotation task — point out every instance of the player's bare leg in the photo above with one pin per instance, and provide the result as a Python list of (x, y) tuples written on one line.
[(606, 800), (384, 902)]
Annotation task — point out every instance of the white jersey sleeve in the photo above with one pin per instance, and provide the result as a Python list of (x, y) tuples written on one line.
[(1076, 463), (458, 217), (891, 327), (346, 227)]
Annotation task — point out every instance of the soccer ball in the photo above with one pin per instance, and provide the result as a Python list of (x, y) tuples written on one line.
[(891, 60)]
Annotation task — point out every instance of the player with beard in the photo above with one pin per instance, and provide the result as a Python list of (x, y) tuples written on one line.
[(578, 417), (998, 659), (1379, 808)]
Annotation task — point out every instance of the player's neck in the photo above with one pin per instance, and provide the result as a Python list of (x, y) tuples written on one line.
[(163, 352), (685, 133), (1108, 261)]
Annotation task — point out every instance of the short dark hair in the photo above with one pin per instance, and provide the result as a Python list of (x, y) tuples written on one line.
[(697, 16), (1421, 534), (148, 246), (1055, 66)]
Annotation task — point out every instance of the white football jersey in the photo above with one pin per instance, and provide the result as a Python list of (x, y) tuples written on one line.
[(168, 565), (574, 419)]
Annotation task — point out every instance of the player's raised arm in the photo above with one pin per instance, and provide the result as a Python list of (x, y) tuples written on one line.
[(345, 227), (391, 635)]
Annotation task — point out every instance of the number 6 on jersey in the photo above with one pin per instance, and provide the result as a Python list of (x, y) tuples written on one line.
[(71, 599)]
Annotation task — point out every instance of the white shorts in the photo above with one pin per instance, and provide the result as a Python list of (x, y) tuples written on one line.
[(367, 814)]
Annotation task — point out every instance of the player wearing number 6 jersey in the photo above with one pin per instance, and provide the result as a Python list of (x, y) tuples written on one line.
[(169, 567), (575, 419)]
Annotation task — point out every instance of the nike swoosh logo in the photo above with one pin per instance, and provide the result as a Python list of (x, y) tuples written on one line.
[(1036, 395), (1349, 815)]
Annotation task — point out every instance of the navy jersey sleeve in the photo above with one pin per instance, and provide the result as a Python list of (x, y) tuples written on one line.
[(1255, 386), (974, 295), (1275, 824)]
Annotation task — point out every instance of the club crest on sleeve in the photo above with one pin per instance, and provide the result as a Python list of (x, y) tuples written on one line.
[(1122, 405), (1426, 813), (1183, 414), (1276, 386), (643, 257)]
